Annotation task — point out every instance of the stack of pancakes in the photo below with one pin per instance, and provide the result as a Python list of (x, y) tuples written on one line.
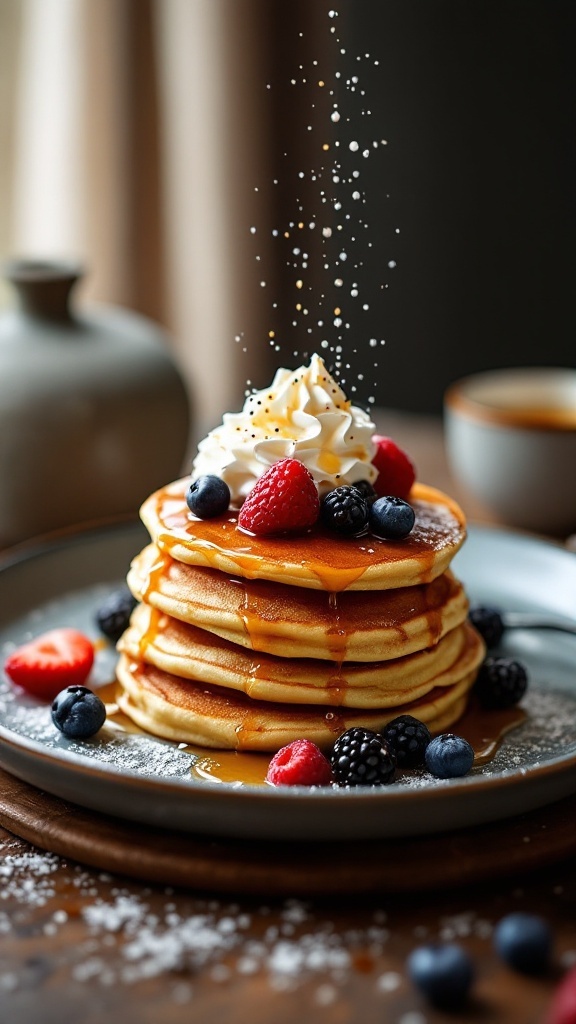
[(247, 643)]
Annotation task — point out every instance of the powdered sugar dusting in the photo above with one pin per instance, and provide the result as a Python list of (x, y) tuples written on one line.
[(435, 526), (154, 934), (550, 728)]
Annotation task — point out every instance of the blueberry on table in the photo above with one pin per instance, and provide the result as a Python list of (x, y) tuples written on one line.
[(407, 737), (501, 682), (113, 615), (78, 712), (488, 622), (449, 756), (443, 972), (524, 942), (391, 518), (208, 497)]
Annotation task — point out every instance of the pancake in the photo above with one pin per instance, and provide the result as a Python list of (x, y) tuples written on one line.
[(294, 622), (191, 653), (318, 559), (212, 716)]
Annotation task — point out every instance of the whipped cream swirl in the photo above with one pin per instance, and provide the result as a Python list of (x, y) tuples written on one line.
[(303, 415)]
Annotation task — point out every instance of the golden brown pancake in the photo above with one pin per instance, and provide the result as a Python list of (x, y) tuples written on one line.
[(318, 559), (191, 653), (294, 622), (247, 643), (190, 712)]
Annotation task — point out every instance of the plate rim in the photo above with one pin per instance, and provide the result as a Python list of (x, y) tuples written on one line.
[(508, 778)]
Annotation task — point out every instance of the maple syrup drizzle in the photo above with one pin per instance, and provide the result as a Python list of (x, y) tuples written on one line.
[(335, 565)]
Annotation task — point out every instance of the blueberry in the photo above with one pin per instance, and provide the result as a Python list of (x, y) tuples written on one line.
[(442, 972), (114, 613), (78, 712), (524, 941), (208, 496), (448, 756), (408, 738), (488, 622), (391, 518), (501, 683)]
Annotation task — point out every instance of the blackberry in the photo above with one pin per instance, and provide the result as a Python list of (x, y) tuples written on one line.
[(78, 712), (391, 518), (360, 757), (113, 615), (366, 490), (488, 622), (407, 738), (345, 510), (449, 756), (443, 972), (501, 683), (208, 496), (524, 942)]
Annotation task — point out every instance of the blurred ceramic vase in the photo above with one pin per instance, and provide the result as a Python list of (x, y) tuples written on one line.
[(94, 414)]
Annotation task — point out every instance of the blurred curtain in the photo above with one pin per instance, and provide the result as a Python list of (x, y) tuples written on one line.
[(133, 134)]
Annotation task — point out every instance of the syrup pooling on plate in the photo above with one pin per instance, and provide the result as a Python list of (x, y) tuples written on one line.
[(484, 730)]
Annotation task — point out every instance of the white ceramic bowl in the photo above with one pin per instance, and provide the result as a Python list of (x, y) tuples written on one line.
[(511, 442)]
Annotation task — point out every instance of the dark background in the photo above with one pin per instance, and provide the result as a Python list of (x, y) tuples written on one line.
[(476, 99)]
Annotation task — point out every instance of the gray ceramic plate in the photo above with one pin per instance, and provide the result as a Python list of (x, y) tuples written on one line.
[(143, 779)]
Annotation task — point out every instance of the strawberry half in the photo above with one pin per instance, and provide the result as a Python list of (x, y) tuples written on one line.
[(51, 662), (284, 500), (396, 473)]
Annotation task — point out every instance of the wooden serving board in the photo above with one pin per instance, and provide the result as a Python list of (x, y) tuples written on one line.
[(308, 869)]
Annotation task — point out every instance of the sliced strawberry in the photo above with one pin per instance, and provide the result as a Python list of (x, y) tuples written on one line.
[(51, 662), (301, 763), (396, 473), (284, 500)]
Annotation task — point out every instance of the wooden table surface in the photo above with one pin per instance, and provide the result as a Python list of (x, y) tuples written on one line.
[(81, 945)]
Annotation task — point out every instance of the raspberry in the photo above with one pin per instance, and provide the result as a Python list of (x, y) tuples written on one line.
[(501, 683), (284, 500), (408, 738), (301, 763), (396, 473), (345, 510), (562, 1010), (360, 757), (488, 622)]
